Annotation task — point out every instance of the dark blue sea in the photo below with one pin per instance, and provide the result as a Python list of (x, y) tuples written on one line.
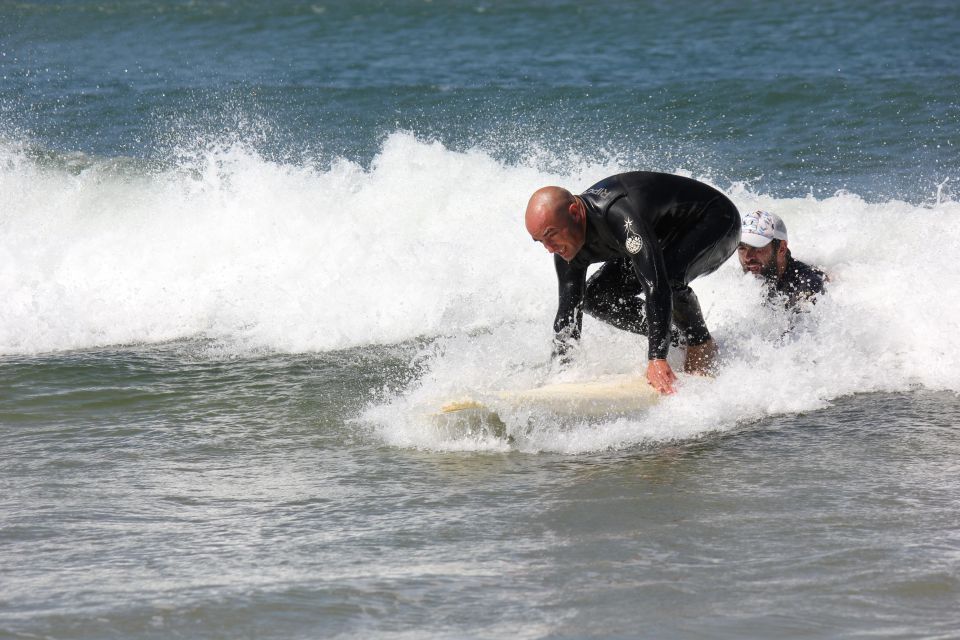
[(247, 249)]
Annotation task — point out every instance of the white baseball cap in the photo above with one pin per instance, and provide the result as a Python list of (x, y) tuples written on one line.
[(760, 227)]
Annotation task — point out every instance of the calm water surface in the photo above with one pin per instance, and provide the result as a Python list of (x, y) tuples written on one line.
[(160, 498)]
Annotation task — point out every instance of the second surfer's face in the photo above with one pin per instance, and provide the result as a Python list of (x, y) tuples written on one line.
[(760, 261)]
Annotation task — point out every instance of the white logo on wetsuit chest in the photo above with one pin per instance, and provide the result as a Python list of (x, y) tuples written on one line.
[(634, 242)]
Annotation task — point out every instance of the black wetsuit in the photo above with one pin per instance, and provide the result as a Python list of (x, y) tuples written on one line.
[(655, 232), (799, 282)]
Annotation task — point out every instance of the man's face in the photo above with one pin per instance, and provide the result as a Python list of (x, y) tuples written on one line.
[(760, 261), (559, 234)]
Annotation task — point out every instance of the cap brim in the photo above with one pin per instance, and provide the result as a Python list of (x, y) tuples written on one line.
[(755, 240)]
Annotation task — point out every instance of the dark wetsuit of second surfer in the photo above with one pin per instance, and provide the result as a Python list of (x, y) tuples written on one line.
[(655, 232)]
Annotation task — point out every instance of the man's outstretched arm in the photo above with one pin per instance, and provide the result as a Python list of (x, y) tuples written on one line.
[(641, 244), (571, 284)]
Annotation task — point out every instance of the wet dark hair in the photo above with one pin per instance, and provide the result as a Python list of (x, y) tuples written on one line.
[(776, 246)]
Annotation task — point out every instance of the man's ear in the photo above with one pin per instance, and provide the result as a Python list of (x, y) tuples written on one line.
[(575, 210), (782, 249)]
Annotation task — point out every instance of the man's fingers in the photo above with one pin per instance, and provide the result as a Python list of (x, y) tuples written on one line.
[(661, 376)]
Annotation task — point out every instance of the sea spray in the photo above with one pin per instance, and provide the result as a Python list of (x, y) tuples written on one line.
[(266, 255), (428, 243), (886, 323)]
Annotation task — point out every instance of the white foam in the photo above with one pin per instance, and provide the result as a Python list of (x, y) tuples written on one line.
[(888, 323), (430, 242), (269, 255)]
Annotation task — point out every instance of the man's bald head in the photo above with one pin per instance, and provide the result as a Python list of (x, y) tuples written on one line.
[(549, 204), (556, 218)]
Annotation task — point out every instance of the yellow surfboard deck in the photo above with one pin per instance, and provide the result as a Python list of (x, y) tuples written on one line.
[(605, 396)]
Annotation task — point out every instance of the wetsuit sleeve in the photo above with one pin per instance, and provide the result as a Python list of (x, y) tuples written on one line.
[(637, 238), (570, 284)]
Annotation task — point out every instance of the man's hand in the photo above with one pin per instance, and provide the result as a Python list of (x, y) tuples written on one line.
[(661, 376)]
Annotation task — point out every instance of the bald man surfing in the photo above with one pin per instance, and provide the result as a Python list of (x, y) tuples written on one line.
[(654, 233)]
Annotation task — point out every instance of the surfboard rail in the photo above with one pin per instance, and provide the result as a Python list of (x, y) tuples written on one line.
[(610, 395)]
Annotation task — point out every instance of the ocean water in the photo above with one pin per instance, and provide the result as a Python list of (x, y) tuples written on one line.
[(246, 250)]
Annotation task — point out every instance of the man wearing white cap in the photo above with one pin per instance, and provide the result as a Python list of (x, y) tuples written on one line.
[(763, 252)]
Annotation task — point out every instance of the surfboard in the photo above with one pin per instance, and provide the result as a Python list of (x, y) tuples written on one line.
[(607, 396)]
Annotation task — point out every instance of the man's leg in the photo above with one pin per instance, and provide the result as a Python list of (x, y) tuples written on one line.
[(611, 297)]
